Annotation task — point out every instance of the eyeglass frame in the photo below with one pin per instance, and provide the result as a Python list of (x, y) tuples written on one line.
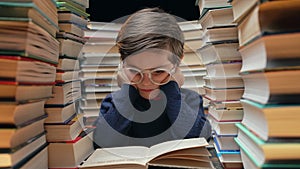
[(141, 72)]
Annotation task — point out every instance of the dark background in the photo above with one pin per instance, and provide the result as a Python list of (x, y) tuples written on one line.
[(110, 10)]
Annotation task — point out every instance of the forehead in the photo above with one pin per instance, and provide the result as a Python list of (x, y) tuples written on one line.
[(151, 58)]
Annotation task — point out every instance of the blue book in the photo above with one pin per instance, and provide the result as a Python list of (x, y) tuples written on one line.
[(225, 143)]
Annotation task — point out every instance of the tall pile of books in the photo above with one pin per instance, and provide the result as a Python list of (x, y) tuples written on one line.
[(98, 67), (191, 65), (69, 143), (223, 84), (28, 56), (269, 38)]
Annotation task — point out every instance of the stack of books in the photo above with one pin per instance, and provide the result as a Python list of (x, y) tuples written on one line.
[(99, 67), (28, 56), (223, 84), (68, 143), (269, 38), (191, 65)]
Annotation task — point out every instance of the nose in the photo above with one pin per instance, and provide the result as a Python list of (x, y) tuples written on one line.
[(146, 80)]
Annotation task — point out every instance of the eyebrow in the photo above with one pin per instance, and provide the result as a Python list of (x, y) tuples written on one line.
[(161, 66)]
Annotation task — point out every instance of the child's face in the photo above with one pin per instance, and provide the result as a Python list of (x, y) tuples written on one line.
[(153, 61)]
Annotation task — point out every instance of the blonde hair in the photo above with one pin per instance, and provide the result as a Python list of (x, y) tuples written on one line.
[(151, 28)]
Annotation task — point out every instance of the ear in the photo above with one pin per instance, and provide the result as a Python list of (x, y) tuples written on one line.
[(180, 59)]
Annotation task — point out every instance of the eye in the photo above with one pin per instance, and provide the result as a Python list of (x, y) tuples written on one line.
[(133, 71), (158, 72)]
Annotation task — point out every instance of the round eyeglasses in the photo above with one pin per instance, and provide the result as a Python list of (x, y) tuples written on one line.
[(158, 76)]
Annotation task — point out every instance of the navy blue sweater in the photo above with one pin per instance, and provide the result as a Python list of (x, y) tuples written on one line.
[(126, 118)]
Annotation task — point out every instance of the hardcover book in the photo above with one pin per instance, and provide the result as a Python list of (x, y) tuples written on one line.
[(217, 18), (59, 114), (18, 157), (219, 52), (13, 91), (270, 17), (28, 40), (17, 114), (274, 87), (68, 130), (67, 44), (263, 120), (205, 5), (268, 154), (217, 34), (65, 93), (35, 11), (13, 136), (69, 154), (275, 51), (26, 70)]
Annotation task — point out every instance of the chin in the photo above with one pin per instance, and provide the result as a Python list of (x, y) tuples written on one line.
[(149, 95), (145, 96)]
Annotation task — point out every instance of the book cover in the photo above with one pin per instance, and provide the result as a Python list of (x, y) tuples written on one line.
[(225, 142), (18, 114), (217, 18), (36, 44), (272, 87), (70, 154), (60, 114), (25, 70), (29, 10), (69, 130), (65, 93), (13, 136), (223, 33), (280, 153), (65, 6), (268, 117), (220, 52), (69, 17), (270, 17), (13, 91), (17, 158), (205, 5), (274, 52)]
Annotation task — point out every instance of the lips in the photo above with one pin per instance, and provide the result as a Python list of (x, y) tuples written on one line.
[(147, 90)]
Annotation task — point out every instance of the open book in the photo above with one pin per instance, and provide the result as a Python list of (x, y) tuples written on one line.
[(186, 153)]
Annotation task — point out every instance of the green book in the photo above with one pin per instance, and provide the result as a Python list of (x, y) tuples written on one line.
[(272, 120), (276, 153), (65, 6), (17, 11)]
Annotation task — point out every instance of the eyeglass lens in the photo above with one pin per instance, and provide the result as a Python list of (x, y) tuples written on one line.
[(157, 76)]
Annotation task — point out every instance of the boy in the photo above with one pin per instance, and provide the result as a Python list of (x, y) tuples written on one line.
[(150, 107)]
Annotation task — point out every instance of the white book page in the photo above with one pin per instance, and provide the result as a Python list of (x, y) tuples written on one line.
[(117, 156), (174, 145)]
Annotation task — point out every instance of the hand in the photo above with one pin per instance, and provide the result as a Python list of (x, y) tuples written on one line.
[(178, 77)]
